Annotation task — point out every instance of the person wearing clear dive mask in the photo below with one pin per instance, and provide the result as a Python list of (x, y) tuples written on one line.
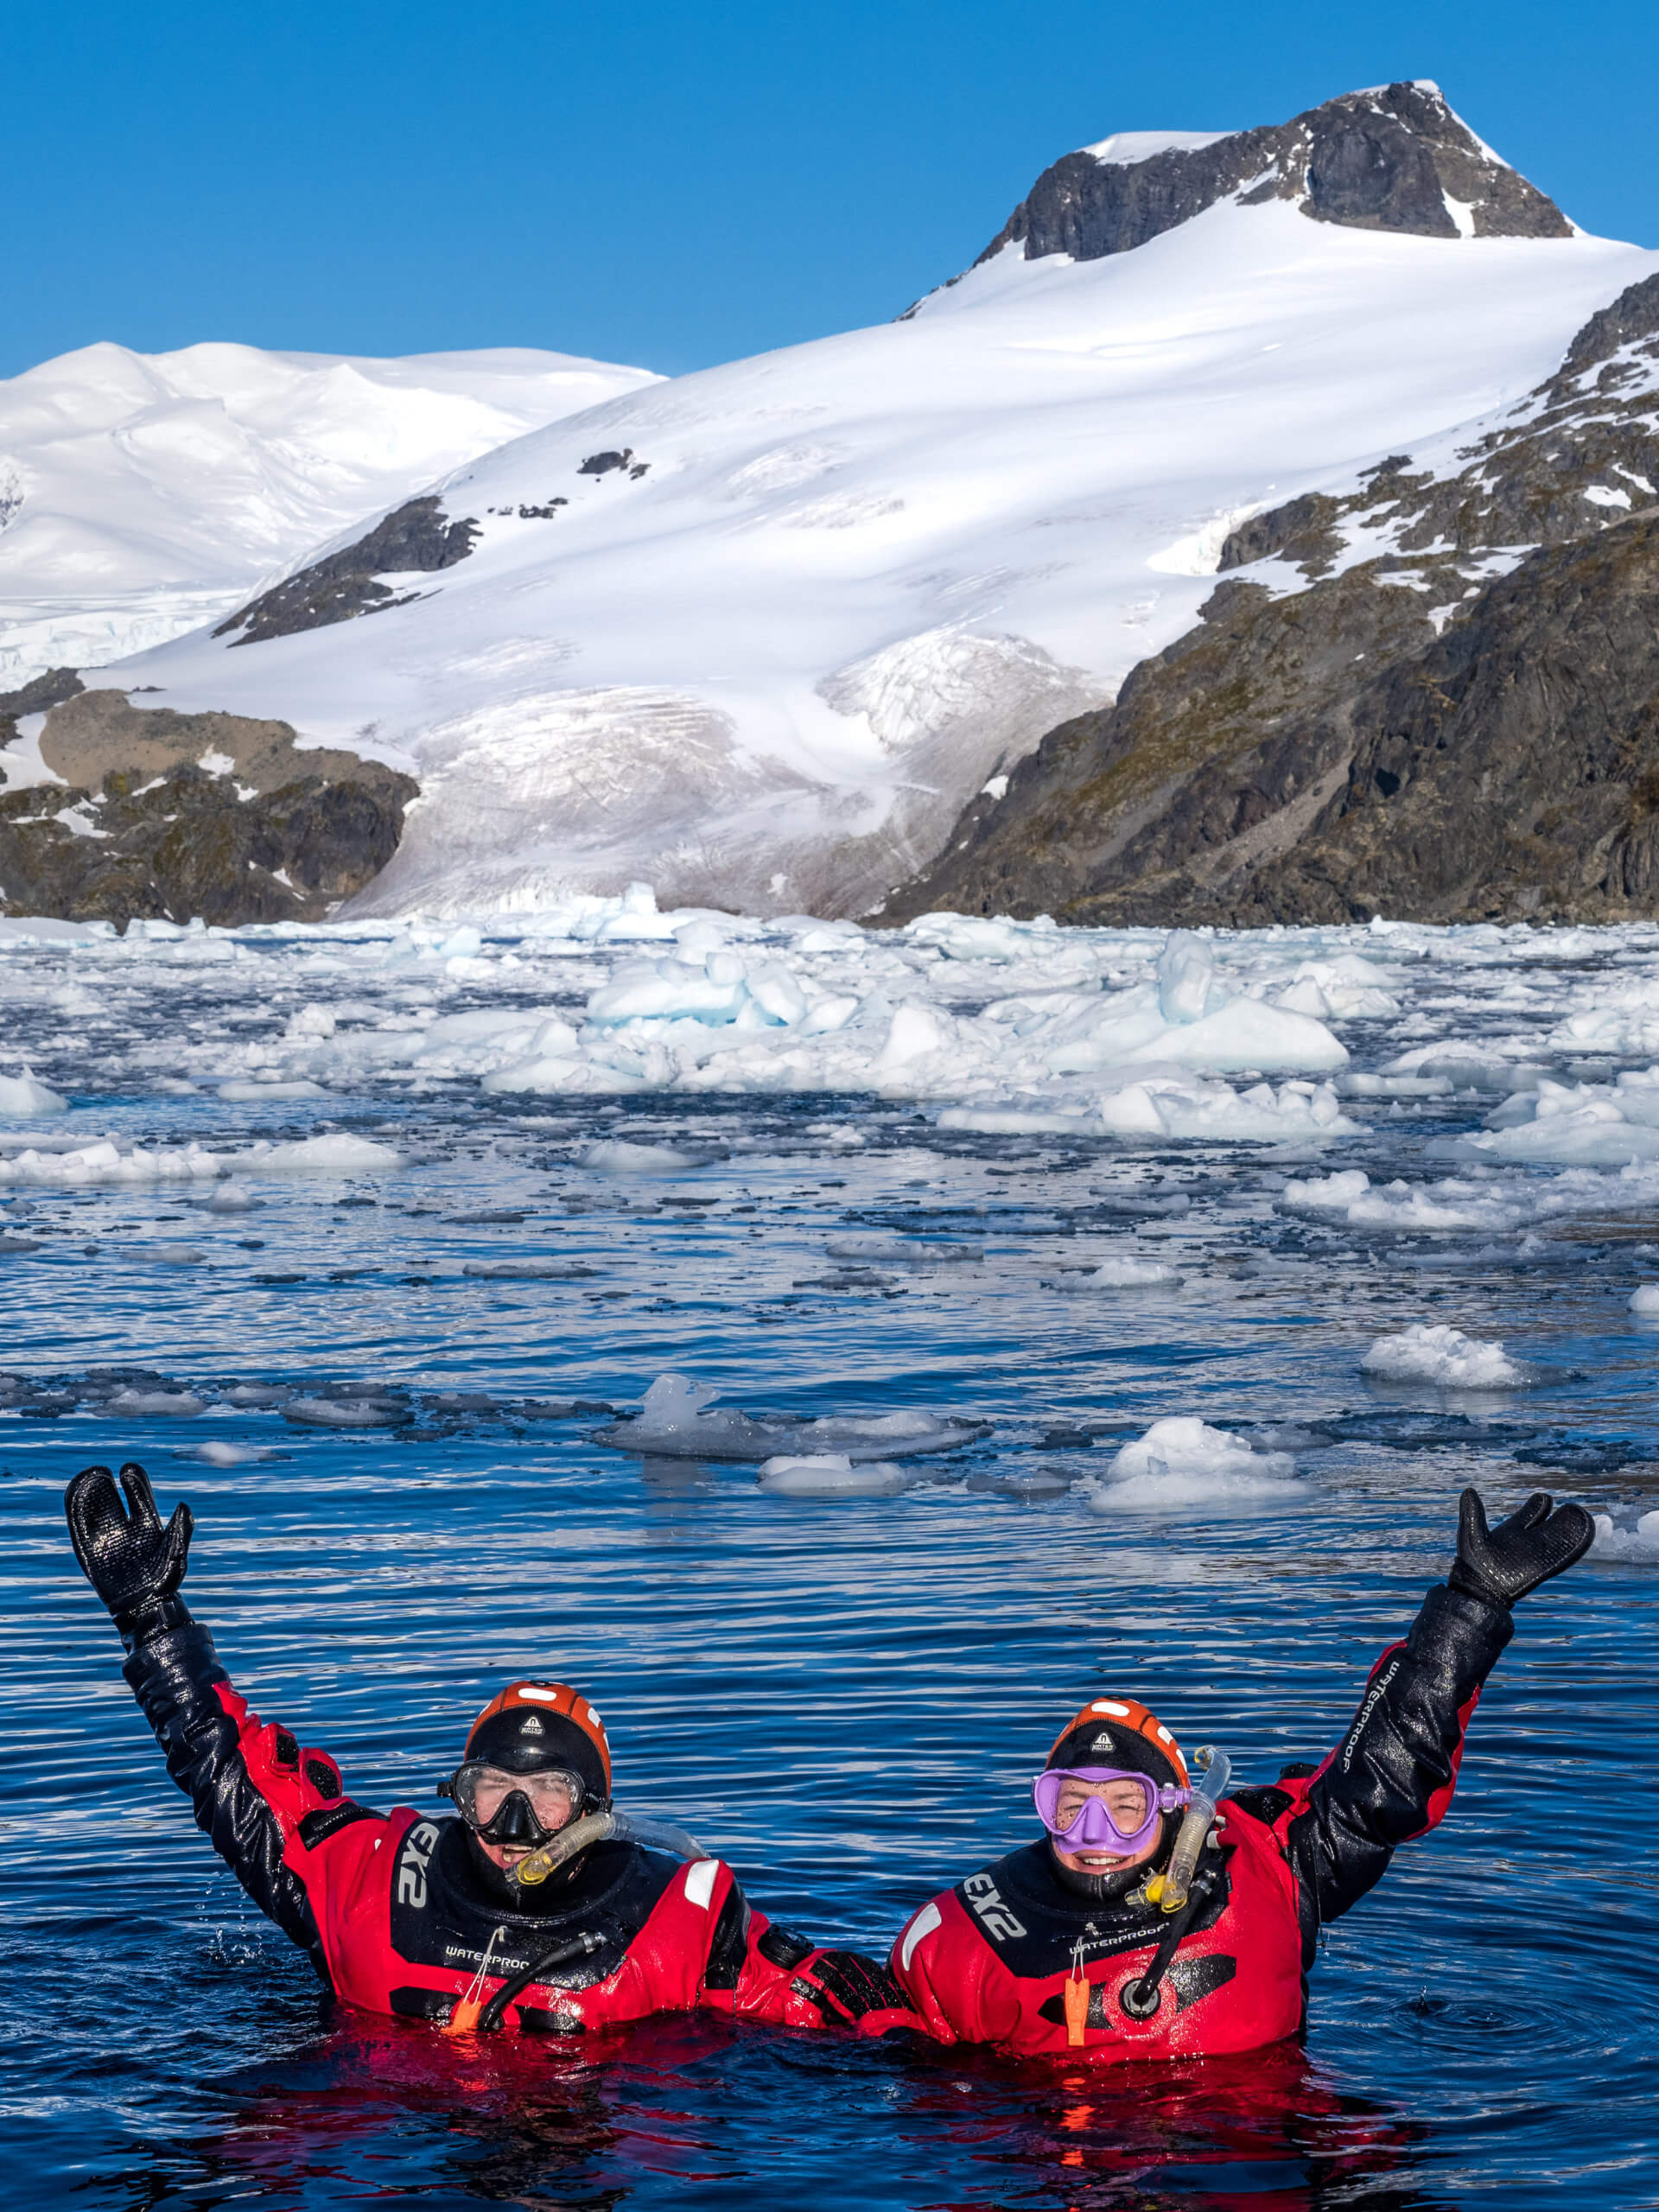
[(1162, 1916), (539, 1907)]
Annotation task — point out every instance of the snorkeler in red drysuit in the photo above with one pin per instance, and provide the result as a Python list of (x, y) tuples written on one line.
[(534, 1910), (1106, 1938)]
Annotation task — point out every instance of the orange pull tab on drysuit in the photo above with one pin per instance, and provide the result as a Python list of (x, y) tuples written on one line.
[(464, 2013), (1078, 1993)]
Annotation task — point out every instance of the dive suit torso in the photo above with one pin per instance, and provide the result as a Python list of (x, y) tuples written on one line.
[(989, 1961), (398, 1916)]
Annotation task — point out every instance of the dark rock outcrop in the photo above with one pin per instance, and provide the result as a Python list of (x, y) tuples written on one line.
[(1218, 752), (38, 696), (417, 538), (1411, 734), (170, 816), (1385, 159), (1510, 772)]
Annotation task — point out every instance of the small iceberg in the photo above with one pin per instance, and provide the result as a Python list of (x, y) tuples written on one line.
[(674, 1423)]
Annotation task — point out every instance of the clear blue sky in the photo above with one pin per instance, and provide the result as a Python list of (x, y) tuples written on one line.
[(671, 184)]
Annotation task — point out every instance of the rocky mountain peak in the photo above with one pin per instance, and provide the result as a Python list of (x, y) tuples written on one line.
[(1392, 158)]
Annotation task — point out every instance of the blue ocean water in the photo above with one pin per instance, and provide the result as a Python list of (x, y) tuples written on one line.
[(845, 1697)]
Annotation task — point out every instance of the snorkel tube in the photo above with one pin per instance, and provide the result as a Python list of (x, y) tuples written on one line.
[(600, 1828), (1212, 1771)]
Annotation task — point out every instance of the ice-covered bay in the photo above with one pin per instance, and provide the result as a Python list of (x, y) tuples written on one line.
[(807, 1337)]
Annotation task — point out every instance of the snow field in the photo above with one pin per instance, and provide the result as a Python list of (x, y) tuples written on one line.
[(858, 579), (141, 495)]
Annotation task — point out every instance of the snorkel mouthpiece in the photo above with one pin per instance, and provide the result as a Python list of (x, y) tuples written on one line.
[(600, 1828), (1212, 1771), (533, 1869)]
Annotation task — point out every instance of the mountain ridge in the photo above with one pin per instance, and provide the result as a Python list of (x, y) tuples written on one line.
[(757, 634)]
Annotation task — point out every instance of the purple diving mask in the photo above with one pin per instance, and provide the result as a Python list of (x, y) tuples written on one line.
[(1096, 1826)]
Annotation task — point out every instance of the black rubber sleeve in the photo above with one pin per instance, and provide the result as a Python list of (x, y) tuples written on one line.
[(1391, 1776), (174, 1677)]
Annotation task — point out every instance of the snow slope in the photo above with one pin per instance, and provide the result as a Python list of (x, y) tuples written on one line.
[(861, 575), (141, 494)]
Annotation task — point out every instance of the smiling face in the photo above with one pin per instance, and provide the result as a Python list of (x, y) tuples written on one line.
[(1128, 1801)]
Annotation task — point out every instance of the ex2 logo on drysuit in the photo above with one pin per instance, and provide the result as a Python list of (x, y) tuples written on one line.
[(411, 1865), (981, 1893)]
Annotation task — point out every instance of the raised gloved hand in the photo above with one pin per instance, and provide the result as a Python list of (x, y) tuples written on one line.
[(1502, 1564), (133, 1562)]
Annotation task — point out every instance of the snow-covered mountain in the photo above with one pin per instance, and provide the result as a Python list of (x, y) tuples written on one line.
[(757, 633), (143, 494)]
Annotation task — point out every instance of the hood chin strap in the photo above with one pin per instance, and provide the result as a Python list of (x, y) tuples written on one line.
[(1108, 1889)]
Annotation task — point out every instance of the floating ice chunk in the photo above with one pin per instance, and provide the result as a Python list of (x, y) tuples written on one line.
[(1404, 1207), (775, 991), (914, 1033), (1588, 1125), (23, 1098), (1247, 1032), (711, 990), (347, 1412), (336, 1154), (241, 1092), (178, 1255), (259, 1393), (1187, 973), (902, 1251), (1126, 1272), (218, 1454), (673, 1403), (1645, 1298), (674, 1424), (1214, 1113), (1347, 987), (1637, 1544), (1184, 1461), (166, 1405), (620, 1158), (832, 1474), (104, 1163), (912, 1433), (1433, 1353), (968, 937), (233, 1197), (1323, 1193)]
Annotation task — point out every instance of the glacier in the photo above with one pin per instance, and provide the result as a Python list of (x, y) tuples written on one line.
[(143, 495), (837, 589)]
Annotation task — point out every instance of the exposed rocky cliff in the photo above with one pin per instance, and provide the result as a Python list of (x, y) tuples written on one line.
[(417, 538), (167, 816), (1433, 693), (1393, 159)]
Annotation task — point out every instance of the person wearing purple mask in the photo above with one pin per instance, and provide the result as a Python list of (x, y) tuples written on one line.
[(1161, 1915)]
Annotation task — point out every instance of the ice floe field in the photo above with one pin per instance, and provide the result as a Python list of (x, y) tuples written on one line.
[(841, 1350)]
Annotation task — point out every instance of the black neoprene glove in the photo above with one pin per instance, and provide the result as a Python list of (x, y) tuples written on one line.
[(135, 1564), (845, 1985), (1502, 1564)]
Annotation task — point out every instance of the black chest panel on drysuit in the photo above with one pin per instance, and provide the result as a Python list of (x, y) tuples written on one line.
[(1034, 1923), (448, 1921)]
